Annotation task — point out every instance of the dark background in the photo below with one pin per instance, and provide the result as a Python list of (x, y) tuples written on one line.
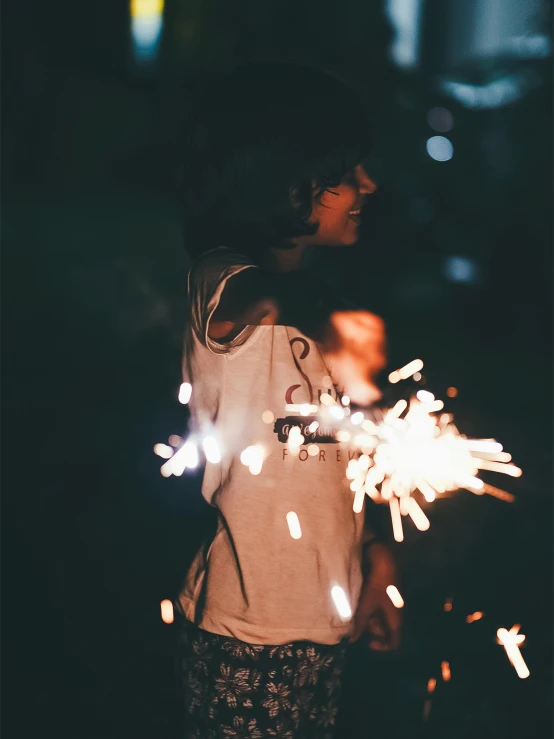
[(93, 286)]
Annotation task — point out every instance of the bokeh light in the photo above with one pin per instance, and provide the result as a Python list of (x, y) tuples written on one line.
[(440, 148)]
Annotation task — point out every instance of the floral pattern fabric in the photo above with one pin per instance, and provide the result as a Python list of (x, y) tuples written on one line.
[(235, 690)]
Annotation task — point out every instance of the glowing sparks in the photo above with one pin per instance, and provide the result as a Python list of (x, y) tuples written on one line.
[(303, 408), (431, 684), (185, 392), (394, 594), (295, 440), (425, 396), (407, 371), (445, 671), (327, 400), (418, 517), (359, 499), (268, 417), (166, 608), (253, 458), (412, 450), (164, 451), (511, 641), (345, 400), (313, 450), (341, 602), (452, 392), (211, 449), (186, 456), (477, 616), (397, 530), (294, 525), (448, 604)]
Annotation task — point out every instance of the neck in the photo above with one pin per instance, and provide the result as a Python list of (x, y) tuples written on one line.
[(286, 260)]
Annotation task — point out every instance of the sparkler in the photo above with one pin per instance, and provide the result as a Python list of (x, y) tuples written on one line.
[(412, 449)]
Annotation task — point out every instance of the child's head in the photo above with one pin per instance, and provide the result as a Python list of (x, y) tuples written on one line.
[(272, 154)]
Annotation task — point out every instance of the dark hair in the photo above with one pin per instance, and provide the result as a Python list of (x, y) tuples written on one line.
[(256, 142)]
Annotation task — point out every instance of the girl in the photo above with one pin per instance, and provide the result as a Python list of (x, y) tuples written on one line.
[(272, 166)]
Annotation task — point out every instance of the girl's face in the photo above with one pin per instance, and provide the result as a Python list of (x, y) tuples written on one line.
[(338, 210)]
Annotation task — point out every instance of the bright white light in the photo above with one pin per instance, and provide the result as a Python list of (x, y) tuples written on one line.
[(146, 28), (394, 594), (164, 451), (166, 608), (190, 454), (357, 418), (253, 458), (211, 450), (185, 391), (294, 525), (405, 18), (336, 411), (425, 396), (495, 94), (341, 602), (440, 148)]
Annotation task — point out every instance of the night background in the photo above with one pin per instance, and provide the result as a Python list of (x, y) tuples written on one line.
[(456, 256)]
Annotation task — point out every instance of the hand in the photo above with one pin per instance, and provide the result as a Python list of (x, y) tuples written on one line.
[(375, 613), (354, 344)]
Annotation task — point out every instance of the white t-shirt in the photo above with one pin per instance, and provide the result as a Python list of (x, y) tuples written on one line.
[(254, 581)]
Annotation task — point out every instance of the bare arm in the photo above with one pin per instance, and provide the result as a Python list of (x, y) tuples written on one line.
[(256, 297), (353, 340)]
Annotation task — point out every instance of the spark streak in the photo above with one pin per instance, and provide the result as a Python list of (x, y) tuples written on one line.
[(511, 640)]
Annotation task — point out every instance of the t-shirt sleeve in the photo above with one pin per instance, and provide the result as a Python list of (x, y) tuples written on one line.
[(206, 282)]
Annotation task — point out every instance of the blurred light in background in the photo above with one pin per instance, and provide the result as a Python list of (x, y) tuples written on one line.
[(440, 119), (495, 94), (146, 29), (440, 148), (405, 17), (461, 269)]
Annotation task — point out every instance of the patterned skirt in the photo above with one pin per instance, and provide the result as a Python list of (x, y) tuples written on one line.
[(236, 690)]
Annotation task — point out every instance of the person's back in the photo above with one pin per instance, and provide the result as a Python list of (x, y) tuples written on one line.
[(277, 586)]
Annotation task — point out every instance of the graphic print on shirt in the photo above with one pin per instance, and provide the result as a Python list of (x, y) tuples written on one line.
[(283, 426)]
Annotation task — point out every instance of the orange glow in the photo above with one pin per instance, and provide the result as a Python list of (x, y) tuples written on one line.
[(431, 685), (477, 616), (166, 607), (448, 604), (452, 392), (445, 671)]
